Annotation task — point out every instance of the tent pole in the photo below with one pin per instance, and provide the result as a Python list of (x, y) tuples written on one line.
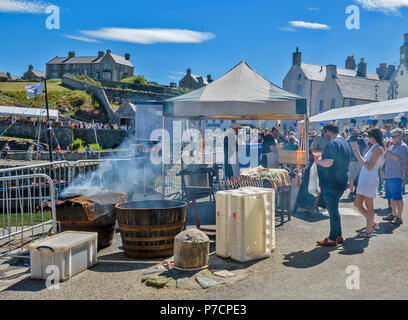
[(163, 175), (307, 139)]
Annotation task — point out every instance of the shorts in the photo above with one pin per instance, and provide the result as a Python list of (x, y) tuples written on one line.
[(354, 169), (393, 189)]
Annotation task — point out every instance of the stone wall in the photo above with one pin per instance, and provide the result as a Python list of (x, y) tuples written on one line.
[(97, 91), (63, 134), (107, 139), (141, 87)]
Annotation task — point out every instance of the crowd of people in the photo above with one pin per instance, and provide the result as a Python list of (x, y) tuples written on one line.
[(74, 124), (360, 161)]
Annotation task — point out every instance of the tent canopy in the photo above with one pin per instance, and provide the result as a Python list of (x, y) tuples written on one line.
[(240, 94), (387, 109), (27, 112)]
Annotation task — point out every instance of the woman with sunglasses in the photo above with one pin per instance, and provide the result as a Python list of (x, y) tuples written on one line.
[(367, 188)]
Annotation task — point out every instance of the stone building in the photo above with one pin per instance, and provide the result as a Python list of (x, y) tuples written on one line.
[(33, 75), (399, 79), (104, 66), (339, 90), (193, 82), (306, 79)]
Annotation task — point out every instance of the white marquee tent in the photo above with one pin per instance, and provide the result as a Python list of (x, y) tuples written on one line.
[(383, 110), (27, 112), (240, 94)]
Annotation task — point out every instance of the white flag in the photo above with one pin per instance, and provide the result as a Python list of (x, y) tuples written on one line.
[(34, 90)]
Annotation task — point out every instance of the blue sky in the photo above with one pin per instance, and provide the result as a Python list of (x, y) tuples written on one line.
[(221, 34)]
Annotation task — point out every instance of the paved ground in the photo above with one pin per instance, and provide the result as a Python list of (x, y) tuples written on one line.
[(297, 270)]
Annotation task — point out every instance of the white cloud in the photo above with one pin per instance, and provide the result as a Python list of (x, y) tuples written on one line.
[(85, 39), (309, 25), (149, 36), (14, 6), (386, 6)]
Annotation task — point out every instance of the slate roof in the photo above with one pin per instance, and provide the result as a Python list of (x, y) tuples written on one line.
[(196, 78), (57, 60), (78, 60), (317, 72), (121, 60), (3, 75), (126, 110), (362, 88), (37, 73), (87, 60)]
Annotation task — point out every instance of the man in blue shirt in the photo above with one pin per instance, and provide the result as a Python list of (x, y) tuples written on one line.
[(333, 177)]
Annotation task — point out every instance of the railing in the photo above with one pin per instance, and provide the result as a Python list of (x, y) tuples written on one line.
[(23, 213), (60, 172)]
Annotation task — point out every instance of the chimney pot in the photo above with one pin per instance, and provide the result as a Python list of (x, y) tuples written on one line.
[(101, 54), (331, 70), (189, 71), (350, 63), (405, 38), (297, 57), (127, 56), (362, 68)]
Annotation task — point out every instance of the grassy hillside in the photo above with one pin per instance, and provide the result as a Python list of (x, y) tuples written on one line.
[(68, 102)]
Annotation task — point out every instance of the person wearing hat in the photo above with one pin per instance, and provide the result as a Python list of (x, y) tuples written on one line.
[(231, 163), (355, 165), (270, 149)]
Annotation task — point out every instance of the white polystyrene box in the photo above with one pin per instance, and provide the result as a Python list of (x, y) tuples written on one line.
[(270, 193), (251, 224), (222, 219), (71, 252)]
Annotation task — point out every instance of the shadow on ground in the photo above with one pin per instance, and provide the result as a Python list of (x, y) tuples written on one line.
[(352, 246), (301, 259), (309, 217)]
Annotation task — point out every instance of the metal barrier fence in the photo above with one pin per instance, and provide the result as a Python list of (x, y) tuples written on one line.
[(60, 172), (23, 213)]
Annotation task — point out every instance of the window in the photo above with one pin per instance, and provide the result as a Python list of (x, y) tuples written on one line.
[(66, 67), (402, 72), (321, 106), (333, 103), (352, 102), (299, 76), (55, 67), (97, 67)]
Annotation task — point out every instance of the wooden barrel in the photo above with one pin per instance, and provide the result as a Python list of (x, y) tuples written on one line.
[(148, 228), (75, 219)]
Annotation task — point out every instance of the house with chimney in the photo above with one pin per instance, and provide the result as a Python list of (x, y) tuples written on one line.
[(104, 66), (193, 82), (306, 79), (33, 75), (399, 79), (340, 90)]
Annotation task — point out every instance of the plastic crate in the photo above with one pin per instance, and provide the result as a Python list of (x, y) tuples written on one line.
[(71, 252)]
